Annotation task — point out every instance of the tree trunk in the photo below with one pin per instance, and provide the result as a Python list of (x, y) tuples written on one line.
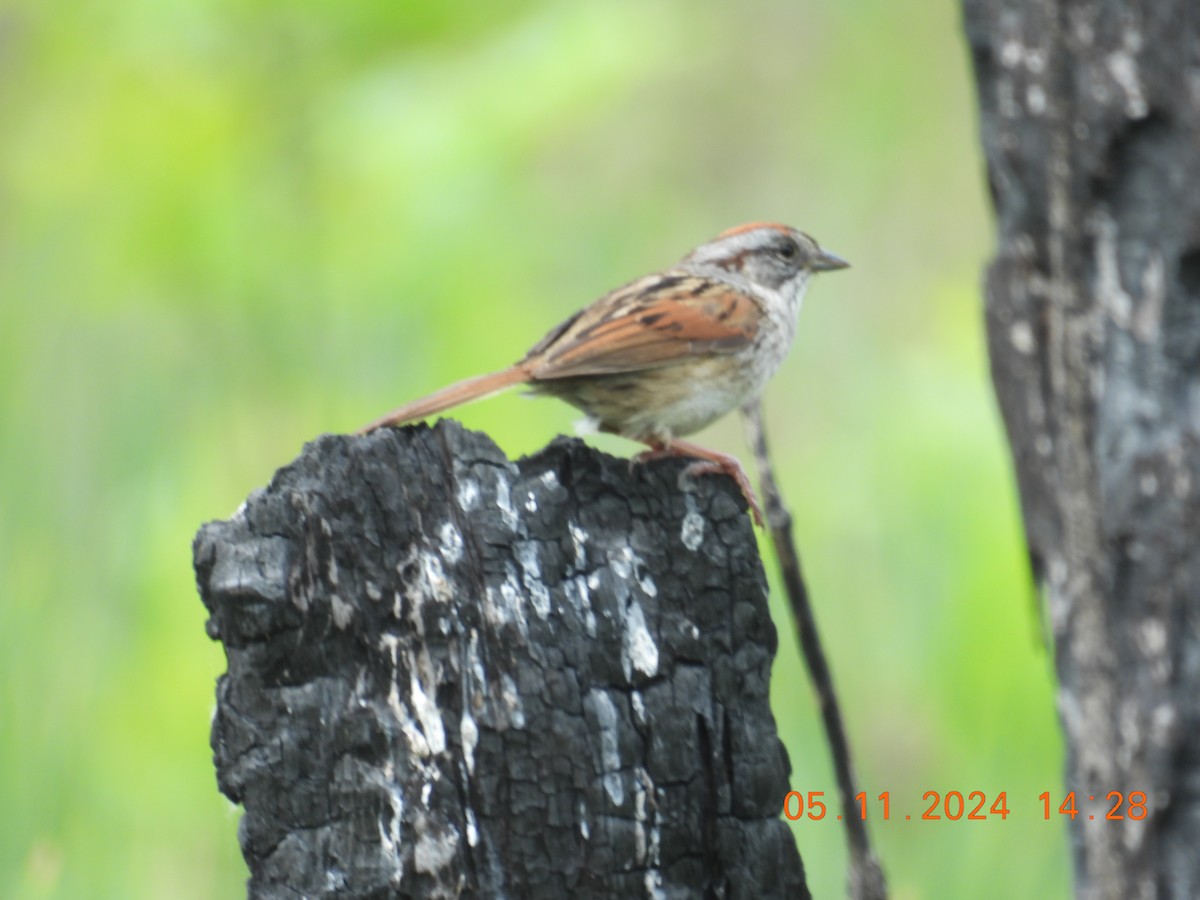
[(455, 676), (1091, 128)]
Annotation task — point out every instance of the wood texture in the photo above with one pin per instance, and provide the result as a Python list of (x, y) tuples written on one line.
[(1090, 116), (452, 675)]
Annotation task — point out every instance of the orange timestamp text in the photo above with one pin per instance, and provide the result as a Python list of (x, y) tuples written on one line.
[(974, 806)]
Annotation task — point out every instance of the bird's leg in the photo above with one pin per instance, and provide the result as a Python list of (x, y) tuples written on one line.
[(706, 462)]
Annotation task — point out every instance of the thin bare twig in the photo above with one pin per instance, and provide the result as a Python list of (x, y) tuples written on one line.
[(866, 880)]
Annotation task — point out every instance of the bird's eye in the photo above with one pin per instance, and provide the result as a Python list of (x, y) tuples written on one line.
[(788, 250)]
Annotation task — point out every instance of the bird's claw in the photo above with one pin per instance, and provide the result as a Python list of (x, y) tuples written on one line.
[(736, 472)]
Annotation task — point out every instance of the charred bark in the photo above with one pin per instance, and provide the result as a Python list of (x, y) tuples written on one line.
[(452, 675), (1091, 127)]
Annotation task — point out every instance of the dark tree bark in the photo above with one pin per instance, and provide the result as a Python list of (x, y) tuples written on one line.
[(451, 675), (1091, 128)]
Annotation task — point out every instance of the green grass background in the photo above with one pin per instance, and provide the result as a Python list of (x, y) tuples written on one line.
[(227, 226)]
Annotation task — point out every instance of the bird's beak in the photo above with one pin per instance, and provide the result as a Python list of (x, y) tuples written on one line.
[(828, 262)]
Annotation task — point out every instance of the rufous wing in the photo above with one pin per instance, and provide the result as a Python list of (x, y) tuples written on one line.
[(650, 323)]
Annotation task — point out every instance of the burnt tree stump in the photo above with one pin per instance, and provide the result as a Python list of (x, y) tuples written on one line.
[(453, 675), (1091, 125)]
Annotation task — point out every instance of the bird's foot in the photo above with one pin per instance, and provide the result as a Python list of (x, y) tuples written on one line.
[(707, 462)]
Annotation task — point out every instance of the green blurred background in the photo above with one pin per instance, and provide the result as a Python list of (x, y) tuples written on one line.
[(227, 226)]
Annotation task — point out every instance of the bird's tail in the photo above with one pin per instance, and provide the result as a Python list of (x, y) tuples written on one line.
[(453, 395)]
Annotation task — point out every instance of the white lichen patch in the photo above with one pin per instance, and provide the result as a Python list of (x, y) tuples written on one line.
[(639, 707), (510, 593), (627, 564), (1147, 320), (434, 585), (469, 735), (1112, 294), (391, 644), (622, 562), (424, 580), (610, 748), (1123, 68), (692, 532), (530, 502), (1011, 53), (646, 583), (579, 539), (390, 825), (585, 831), (531, 576), (504, 502), (647, 834), (580, 597), (450, 543), (504, 604), (638, 650), (428, 714), (1057, 597), (512, 701), (472, 828), (435, 849), (639, 817), (653, 882), (1152, 637), (342, 612), (1164, 723), (1035, 99), (418, 743), (475, 664), (467, 495), (1021, 336)]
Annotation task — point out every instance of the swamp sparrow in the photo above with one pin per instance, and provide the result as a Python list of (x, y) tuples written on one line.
[(667, 354)]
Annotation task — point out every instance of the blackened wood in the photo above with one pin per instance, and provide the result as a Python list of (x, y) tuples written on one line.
[(452, 675), (1091, 127)]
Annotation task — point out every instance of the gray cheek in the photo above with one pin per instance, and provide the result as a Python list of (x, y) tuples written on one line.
[(758, 271), (773, 274)]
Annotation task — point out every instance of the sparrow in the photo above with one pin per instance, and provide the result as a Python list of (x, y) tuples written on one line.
[(663, 356)]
